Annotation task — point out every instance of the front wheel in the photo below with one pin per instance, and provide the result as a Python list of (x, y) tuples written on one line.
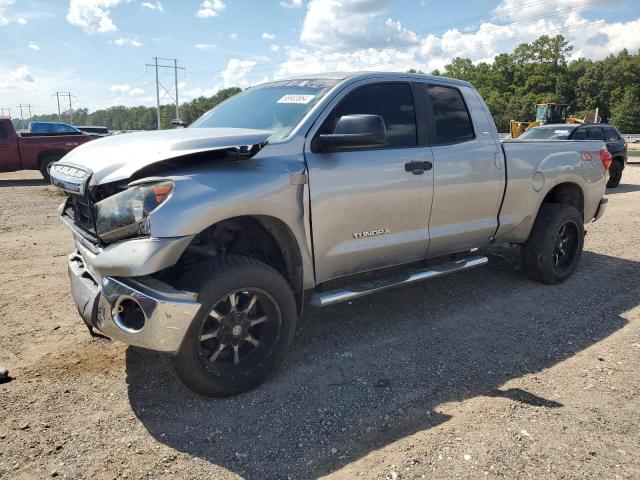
[(243, 330), (553, 249)]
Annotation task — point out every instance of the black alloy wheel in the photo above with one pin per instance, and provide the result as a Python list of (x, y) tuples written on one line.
[(239, 333), (565, 247), (243, 330)]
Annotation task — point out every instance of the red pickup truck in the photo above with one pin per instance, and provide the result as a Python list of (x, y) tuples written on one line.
[(34, 151)]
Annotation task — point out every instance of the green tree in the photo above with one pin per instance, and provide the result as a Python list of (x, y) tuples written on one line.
[(626, 111)]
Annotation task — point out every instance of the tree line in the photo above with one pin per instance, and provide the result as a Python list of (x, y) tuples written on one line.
[(537, 72), (138, 118)]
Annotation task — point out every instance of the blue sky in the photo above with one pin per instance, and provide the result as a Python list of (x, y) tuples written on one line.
[(97, 49)]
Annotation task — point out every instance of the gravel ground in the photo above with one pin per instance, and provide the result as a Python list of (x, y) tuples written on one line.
[(483, 374)]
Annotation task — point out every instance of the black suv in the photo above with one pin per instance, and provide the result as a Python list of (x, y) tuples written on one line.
[(609, 134)]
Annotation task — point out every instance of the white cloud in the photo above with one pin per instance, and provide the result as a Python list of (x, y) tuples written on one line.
[(335, 33), (332, 24), (122, 42), (4, 4), (198, 92), (22, 21), (235, 74), (210, 8), (153, 6), (233, 36), (92, 15), (120, 88), (136, 92), (291, 3), (268, 36), (33, 46), (274, 47), (205, 46), (16, 79)]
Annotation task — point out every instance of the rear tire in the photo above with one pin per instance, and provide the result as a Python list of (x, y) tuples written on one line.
[(44, 166), (243, 330), (552, 251), (615, 174)]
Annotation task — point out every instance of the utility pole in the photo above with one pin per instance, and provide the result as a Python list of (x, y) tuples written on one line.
[(64, 94), (2, 109), (21, 106), (57, 95), (175, 71), (157, 93), (175, 68), (70, 109)]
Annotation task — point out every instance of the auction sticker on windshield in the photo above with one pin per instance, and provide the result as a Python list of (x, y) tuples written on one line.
[(291, 98)]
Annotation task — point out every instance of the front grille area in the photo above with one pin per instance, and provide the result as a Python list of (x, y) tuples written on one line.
[(79, 210)]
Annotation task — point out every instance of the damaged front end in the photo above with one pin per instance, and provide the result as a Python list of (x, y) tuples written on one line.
[(116, 255), (104, 213)]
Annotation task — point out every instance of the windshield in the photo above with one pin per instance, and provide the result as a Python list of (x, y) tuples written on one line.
[(275, 106), (547, 133)]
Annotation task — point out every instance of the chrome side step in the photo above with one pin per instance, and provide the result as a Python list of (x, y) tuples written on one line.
[(323, 299)]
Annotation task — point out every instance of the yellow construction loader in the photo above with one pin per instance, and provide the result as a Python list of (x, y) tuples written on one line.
[(545, 113)]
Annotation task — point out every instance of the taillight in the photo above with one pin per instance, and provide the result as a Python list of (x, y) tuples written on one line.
[(605, 158)]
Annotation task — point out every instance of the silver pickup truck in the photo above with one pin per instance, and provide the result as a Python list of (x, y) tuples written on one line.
[(206, 242)]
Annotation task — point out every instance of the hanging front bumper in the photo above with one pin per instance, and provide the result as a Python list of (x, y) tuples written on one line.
[(139, 311)]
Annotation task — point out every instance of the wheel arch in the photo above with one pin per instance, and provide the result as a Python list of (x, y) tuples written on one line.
[(263, 237), (568, 193)]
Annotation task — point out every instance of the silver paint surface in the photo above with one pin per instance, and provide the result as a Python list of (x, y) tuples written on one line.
[(119, 156), (323, 198)]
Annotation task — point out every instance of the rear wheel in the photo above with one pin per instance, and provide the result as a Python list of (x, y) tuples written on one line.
[(615, 174), (44, 166), (243, 330), (553, 249)]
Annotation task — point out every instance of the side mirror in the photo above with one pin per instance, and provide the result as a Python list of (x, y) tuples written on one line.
[(355, 131)]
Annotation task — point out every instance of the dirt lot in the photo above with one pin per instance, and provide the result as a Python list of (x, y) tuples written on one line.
[(483, 374)]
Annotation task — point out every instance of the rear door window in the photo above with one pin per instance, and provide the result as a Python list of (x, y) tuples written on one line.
[(595, 133), (3, 132), (451, 117)]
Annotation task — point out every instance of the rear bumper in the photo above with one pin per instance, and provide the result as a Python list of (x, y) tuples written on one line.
[(602, 206), (162, 314)]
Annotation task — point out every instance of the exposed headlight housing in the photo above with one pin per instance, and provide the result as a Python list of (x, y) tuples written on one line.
[(125, 214)]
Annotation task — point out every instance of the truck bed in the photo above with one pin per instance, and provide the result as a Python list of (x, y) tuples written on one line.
[(535, 166)]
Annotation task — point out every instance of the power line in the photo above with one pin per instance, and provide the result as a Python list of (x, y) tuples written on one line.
[(2, 109), (175, 68)]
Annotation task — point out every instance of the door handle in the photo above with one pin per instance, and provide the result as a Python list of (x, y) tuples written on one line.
[(417, 167)]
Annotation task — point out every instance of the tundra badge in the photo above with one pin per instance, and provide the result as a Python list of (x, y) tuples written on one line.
[(371, 233)]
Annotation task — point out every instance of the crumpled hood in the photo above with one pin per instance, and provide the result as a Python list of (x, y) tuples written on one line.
[(120, 156)]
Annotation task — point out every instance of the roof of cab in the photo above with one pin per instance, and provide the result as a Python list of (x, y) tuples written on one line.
[(354, 76)]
